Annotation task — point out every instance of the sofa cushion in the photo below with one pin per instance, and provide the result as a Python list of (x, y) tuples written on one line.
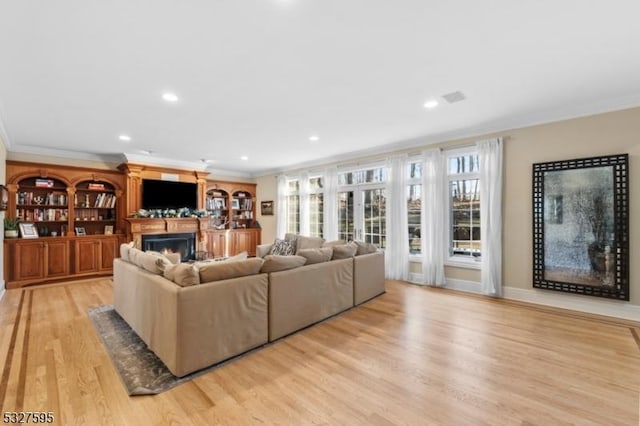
[(183, 274), (173, 258), (303, 243), (274, 263), (124, 250), (217, 271), (345, 251), (334, 243), (283, 247), (365, 248), (316, 255), (149, 262), (240, 256), (133, 255)]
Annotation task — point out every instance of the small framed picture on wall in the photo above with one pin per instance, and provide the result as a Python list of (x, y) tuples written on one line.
[(266, 208)]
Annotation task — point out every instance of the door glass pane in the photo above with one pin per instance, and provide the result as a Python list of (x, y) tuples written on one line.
[(293, 214), (374, 215), (414, 206), (345, 215)]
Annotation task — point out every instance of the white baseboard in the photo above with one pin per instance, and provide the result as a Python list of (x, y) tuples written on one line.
[(574, 302), (2, 289)]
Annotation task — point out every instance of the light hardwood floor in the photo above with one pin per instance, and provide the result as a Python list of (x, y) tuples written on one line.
[(411, 356)]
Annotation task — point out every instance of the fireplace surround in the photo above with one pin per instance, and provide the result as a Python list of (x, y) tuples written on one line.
[(183, 243)]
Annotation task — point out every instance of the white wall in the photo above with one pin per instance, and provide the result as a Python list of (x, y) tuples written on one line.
[(3, 179)]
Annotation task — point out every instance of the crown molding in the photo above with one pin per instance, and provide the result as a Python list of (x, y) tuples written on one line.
[(162, 162)]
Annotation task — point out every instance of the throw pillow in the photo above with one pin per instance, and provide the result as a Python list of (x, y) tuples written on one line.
[(303, 243), (365, 248), (283, 248), (148, 262), (183, 274), (133, 255), (240, 256), (344, 251), (217, 271), (275, 263), (316, 255)]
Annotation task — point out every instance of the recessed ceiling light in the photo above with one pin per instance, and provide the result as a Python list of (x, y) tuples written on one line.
[(125, 138), (244, 158), (170, 97), (431, 104), (314, 138)]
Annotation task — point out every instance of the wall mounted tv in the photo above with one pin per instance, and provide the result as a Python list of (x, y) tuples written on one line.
[(163, 194)]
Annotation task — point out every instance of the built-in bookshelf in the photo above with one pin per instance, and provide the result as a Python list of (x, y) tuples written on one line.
[(44, 202), (94, 208)]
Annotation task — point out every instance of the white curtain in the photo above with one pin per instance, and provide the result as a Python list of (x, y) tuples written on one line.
[(281, 207), (434, 235), (331, 204), (490, 157), (304, 203), (397, 251)]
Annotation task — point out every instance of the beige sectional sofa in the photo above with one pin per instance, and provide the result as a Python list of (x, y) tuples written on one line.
[(195, 315)]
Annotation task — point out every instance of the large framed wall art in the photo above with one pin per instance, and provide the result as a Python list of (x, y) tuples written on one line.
[(581, 226)]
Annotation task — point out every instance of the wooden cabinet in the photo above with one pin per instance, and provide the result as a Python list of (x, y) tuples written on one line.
[(244, 240), (95, 254), (62, 201), (33, 261), (231, 207)]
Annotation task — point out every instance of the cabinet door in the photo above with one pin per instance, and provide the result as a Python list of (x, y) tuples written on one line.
[(216, 243), (108, 252), (57, 264), (29, 260), (243, 240), (87, 256)]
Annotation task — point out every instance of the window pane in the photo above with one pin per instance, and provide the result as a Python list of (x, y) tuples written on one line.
[(464, 164), (315, 184), (316, 215), (465, 217), (293, 214), (293, 186), (375, 217), (345, 215), (414, 206), (414, 170)]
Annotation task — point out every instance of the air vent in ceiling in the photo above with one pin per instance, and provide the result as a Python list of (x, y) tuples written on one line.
[(454, 97)]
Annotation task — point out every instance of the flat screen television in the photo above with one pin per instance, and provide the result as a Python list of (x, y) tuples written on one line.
[(163, 194)]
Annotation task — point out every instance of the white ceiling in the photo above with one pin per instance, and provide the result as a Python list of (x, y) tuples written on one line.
[(258, 77)]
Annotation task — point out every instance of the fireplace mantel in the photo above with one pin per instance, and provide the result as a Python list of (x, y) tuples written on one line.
[(140, 226)]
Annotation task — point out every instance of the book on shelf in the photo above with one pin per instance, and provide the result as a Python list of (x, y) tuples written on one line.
[(44, 183)]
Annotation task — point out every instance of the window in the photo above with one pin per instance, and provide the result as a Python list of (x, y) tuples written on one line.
[(316, 207), (464, 205), (414, 206), (293, 207)]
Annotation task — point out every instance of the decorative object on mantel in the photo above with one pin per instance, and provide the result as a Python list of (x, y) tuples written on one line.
[(169, 213), (581, 226)]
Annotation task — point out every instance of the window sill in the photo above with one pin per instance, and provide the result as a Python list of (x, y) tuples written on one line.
[(463, 263)]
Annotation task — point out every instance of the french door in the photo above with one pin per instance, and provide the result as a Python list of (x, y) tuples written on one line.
[(362, 214)]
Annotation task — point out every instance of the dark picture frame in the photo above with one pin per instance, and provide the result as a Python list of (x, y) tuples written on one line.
[(80, 230), (266, 208), (581, 226), (28, 230), (4, 197)]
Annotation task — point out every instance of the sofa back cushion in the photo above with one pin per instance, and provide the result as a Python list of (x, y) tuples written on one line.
[(124, 250), (316, 255), (274, 263), (303, 243), (345, 251), (365, 248), (224, 270), (183, 274)]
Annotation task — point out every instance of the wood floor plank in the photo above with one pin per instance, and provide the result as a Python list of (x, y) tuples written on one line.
[(414, 355)]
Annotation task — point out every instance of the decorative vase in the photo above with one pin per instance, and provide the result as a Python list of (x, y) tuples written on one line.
[(11, 233)]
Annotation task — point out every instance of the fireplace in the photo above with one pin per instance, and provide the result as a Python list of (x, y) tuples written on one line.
[(185, 244)]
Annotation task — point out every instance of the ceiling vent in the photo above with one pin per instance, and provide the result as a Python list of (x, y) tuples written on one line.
[(454, 97)]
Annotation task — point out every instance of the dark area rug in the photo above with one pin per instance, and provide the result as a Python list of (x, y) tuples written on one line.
[(141, 371)]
